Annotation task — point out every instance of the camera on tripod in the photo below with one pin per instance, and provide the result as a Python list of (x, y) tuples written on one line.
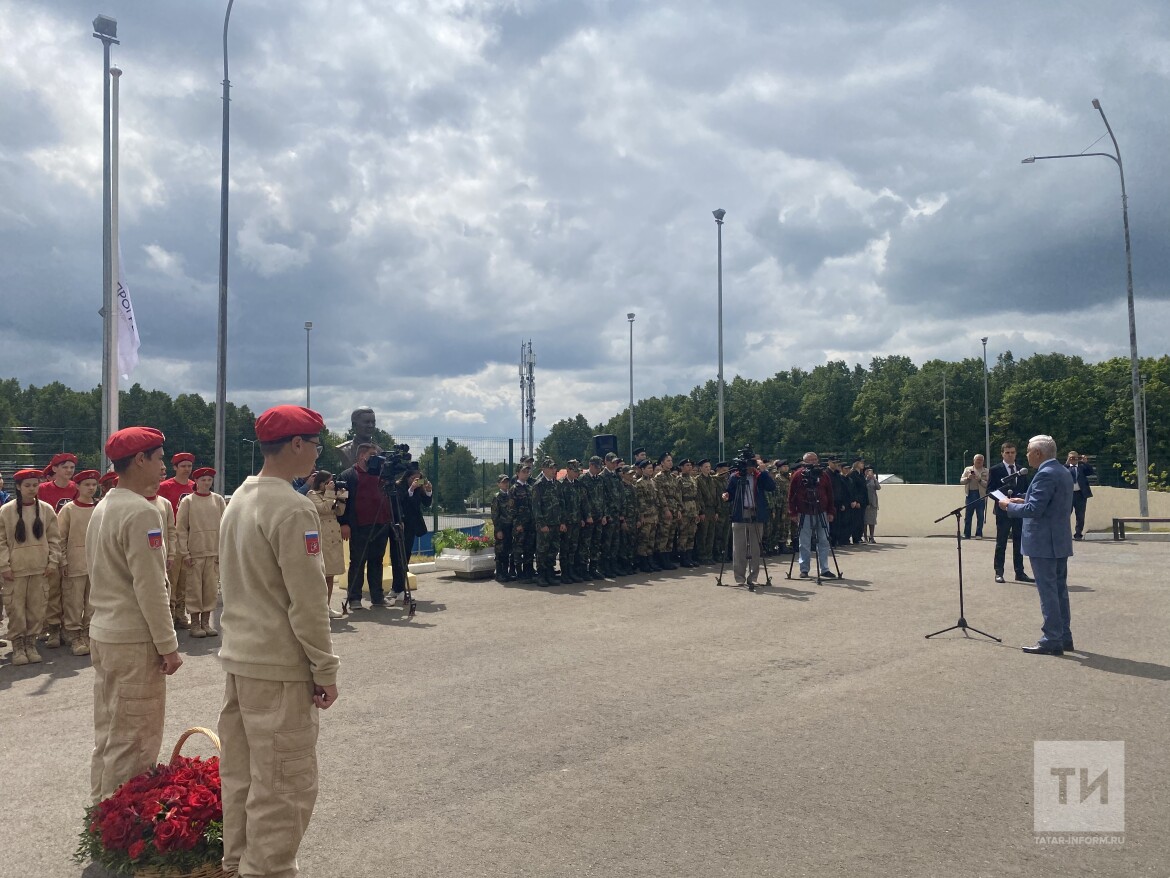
[(745, 461), (389, 465)]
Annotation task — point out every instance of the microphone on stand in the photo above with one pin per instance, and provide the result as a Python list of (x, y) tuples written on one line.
[(1022, 471)]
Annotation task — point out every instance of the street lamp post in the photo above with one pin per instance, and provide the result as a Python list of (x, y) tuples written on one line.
[(946, 474), (630, 317), (221, 333), (106, 30), (252, 442), (719, 214), (1139, 427), (986, 410), (308, 329)]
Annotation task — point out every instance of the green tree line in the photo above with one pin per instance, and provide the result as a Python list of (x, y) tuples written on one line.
[(892, 414)]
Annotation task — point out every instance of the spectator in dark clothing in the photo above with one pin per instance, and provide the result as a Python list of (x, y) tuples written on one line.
[(366, 524)]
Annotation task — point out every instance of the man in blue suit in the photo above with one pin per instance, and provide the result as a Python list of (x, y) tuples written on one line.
[(1080, 469), (1047, 541)]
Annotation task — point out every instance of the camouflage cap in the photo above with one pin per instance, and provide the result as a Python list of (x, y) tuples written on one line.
[(595, 459), (610, 456), (503, 477), (574, 465), (547, 462)]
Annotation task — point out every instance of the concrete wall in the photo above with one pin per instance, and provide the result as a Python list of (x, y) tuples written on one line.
[(909, 510)]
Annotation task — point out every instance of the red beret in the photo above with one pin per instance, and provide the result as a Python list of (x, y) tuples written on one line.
[(24, 474), (63, 457), (130, 440), (182, 457), (109, 479), (286, 421), (85, 474), (47, 472), (202, 471)]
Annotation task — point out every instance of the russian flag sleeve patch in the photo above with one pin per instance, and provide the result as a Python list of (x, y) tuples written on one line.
[(154, 539), (312, 542)]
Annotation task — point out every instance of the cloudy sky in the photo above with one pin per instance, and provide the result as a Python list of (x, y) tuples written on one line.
[(432, 182)]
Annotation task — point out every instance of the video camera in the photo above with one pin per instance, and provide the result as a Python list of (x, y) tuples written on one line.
[(389, 465), (745, 461)]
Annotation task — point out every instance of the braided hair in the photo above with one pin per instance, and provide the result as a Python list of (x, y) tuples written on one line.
[(38, 528)]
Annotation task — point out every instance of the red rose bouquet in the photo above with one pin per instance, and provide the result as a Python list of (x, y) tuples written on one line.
[(166, 821)]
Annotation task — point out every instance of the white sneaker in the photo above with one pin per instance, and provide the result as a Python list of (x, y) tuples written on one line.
[(336, 614)]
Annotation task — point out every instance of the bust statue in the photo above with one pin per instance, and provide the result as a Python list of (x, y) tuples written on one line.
[(363, 422)]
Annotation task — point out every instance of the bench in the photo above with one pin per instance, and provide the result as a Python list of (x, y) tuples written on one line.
[(1119, 524)]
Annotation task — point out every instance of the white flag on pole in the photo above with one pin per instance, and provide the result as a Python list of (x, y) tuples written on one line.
[(128, 341)]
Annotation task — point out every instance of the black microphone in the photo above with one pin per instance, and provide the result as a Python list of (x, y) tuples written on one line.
[(1022, 471)]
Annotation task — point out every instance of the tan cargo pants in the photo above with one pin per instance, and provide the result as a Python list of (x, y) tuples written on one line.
[(201, 584), (24, 604), (268, 772), (129, 703)]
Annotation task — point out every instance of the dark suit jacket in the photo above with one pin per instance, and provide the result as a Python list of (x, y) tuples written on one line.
[(995, 477), (764, 485), (412, 518), (1045, 511), (1080, 474)]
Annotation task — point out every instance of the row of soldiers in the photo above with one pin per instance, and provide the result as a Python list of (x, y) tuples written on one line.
[(613, 519)]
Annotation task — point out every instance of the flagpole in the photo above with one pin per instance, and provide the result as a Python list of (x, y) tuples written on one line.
[(115, 248), (106, 30)]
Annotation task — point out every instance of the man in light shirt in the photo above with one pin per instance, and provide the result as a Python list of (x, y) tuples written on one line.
[(974, 482)]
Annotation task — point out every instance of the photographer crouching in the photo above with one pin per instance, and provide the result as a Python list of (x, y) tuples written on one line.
[(747, 489)]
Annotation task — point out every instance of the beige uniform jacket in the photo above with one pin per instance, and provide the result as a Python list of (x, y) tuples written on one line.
[(73, 522), (198, 525), (34, 555)]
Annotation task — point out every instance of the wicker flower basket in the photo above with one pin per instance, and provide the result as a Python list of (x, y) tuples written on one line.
[(207, 870)]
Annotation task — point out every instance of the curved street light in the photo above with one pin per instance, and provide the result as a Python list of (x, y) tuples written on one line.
[(1139, 427)]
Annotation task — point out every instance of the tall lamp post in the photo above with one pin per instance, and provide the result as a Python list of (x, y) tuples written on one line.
[(308, 329), (106, 30), (719, 214), (630, 317), (946, 472), (986, 410), (221, 334), (252, 442), (1139, 427)]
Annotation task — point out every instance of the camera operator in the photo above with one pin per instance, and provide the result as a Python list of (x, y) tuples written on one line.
[(747, 490), (366, 524), (414, 494), (810, 503)]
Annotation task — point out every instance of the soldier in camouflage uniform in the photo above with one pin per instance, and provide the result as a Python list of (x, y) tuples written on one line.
[(670, 511), (783, 479), (523, 534), (723, 530), (708, 513), (502, 520), (647, 521), (611, 482), (629, 523), (548, 518), (573, 505), (597, 510), (688, 528)]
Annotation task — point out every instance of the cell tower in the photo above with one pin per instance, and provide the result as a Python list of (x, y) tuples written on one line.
[(527, 398)]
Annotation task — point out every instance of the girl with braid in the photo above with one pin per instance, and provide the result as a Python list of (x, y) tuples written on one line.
[(30, 550)]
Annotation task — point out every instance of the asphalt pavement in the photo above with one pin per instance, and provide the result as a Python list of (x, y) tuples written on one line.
[(664, 726)]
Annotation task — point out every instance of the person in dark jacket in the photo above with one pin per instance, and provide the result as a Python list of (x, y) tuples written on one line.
[(1080, 469), (366, 524), (747, 494), (811, 504), (414, 495)]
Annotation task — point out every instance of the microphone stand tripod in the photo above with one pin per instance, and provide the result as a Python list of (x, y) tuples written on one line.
[(962, 623)]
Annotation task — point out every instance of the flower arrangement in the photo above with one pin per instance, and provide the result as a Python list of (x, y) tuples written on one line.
[(167, 821), (452, 538)]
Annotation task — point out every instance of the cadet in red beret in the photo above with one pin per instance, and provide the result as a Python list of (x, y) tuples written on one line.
[(108, 481), (197, 530), (276, 649), (57, 489), (30, 550), (72, 522), (174, 490), (131, 635)]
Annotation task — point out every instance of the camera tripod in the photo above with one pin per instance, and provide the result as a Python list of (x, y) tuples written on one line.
[(817, 524), (750, 537), (962, 623)]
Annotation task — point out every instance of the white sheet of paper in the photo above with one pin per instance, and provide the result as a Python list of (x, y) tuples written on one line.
[(998, 495)]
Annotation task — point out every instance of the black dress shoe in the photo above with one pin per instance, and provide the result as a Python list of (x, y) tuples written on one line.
[(999, 577), (1043, 649), (1024, 577), (1067, 646), (1077, 537), (828, 574)]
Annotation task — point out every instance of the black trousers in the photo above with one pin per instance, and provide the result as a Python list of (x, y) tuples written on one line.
[(1008, 527), (400, 559), (367, 547), (1079, 501)]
